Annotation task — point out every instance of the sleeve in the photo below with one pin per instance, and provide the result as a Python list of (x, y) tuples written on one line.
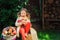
[(27, 28), (18, 22), (4, 32)]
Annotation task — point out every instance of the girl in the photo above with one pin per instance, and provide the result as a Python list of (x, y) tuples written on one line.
[(23, 23)]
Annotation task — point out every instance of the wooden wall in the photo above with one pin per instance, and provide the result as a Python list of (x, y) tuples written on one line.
[(51, 14)]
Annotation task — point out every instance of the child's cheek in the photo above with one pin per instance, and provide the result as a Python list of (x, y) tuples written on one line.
[(14, 32)]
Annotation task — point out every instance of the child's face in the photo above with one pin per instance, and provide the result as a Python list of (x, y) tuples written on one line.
[(23, 13), (10, 30)]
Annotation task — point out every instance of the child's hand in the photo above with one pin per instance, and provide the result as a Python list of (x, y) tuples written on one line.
[(24, 22), (12, 34), (26, 34)]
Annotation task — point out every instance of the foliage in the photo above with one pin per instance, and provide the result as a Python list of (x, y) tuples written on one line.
[(8, 11)]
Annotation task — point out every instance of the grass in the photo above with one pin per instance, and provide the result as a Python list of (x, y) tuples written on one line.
[(47, 35)]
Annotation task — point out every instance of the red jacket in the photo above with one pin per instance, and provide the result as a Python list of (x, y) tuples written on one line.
[(27, 25)]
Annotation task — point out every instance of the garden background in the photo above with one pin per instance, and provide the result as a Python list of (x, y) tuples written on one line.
[(8, 16)]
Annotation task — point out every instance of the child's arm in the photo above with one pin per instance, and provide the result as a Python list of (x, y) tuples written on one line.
[(4, 33)]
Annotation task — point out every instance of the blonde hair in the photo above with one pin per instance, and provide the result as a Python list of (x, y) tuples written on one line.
[(27, 13)]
